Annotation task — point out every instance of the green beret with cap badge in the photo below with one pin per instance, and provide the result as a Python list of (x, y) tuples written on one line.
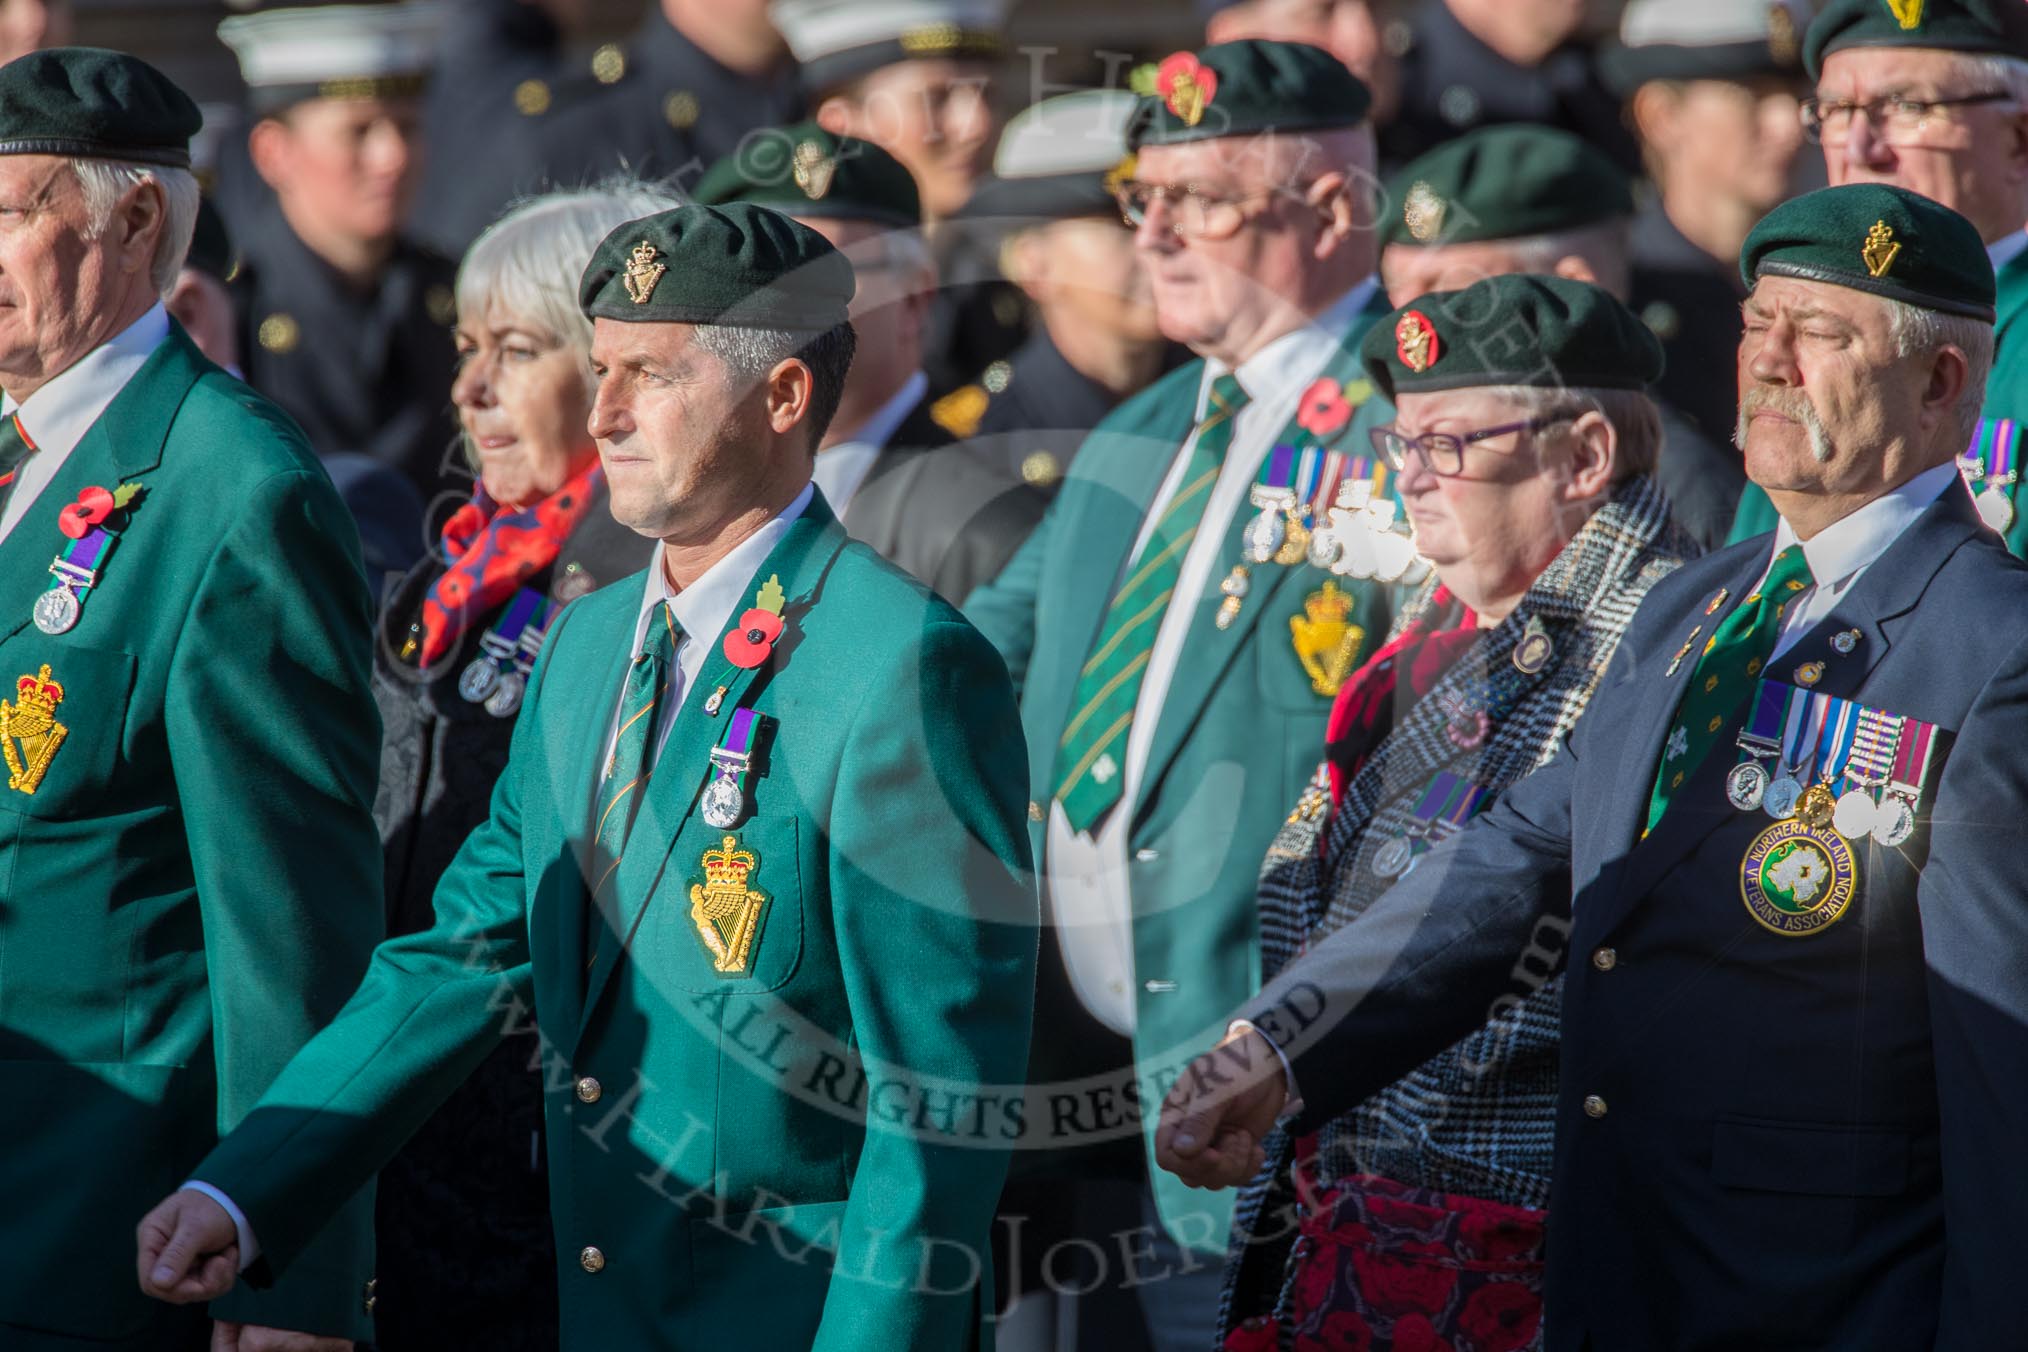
[(806, 171), (1515, 329), (1504, 182), (739, 264), (1879, 238), (1976, 27), (1244, 89), (93, 103)]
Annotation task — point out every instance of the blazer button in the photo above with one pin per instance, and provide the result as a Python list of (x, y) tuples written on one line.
[(1147, 856), (590, 1259), (1605, 959), (589, 1090), (1594, 1106)]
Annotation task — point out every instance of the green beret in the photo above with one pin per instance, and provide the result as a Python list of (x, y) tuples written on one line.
[(1878, 238), (739, 264), (806, 171), (1515, 329), (90, 103), (1504, 182), (1979, 27), (1244, 89)]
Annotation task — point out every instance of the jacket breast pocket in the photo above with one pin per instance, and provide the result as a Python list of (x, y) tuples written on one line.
[(60, 728), (727, 914), (1821, 1159)]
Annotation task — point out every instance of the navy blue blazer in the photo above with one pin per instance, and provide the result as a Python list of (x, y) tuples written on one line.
[(1763, 1141)]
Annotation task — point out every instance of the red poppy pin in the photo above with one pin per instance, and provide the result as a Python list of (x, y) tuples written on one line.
[(93, 506), (1415, 341), (1186, 86), (752, 640), (1324, 410)]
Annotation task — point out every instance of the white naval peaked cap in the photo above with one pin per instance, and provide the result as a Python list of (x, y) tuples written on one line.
[(839, 40), (335, 51), (1706, 23), (1706, 40), (1081, 133)]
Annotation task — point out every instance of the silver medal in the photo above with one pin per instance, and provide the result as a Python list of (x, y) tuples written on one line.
[(1324, 547), (506, 696), (56, 611), (1855, 814), (1996, 509), (1893, 820), (478, 679), (1392, 859), (1781, 797), (1264, 535), (722, 802), (1746, 786)]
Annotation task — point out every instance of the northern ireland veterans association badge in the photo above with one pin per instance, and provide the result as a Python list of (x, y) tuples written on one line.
[(1796, 880)]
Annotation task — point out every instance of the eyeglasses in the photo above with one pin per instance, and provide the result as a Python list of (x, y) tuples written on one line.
[(1193, 213), (1900, 120), (1443, 453)]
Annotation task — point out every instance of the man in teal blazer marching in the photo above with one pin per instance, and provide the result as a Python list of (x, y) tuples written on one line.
[(1176, 640), (189, 874), (756, 862)]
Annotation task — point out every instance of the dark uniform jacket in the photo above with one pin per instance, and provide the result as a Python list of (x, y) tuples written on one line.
[(1691, 302), (1764, 1140), (948, 517), (368, 373), (465, 1255)]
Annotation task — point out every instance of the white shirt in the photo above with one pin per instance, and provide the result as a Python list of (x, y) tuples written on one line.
[(57, 416), (1840, 554), (1088, 892), (840, 469), (702, 609), (2007, 249)]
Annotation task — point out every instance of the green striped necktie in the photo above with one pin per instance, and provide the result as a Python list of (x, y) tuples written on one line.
[(1726, 676), (1090, 757), (626, 777)]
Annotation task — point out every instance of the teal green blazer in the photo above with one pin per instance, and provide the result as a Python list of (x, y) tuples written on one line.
[(804, 1153), (2006, 397), (1240, 733), (193, 888)]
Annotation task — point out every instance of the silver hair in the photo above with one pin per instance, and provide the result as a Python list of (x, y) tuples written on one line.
[(1636, 420), (2009, 72), (528, 262), (104, 182), (750, 354), (1919, 332)]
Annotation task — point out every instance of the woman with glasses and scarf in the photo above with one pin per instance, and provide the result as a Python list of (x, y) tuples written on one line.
[(1524, 440)]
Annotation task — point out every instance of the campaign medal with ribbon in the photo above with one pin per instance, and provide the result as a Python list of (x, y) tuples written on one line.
[(1802, 731), (1446, 804), (1819, 802), (1990, 468), (498, 676), (724, 800), (1894, 815), (93, 523), (1759, 741), (1866, 770)]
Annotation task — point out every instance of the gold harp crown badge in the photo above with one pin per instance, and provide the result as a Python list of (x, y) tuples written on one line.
[(725, 910), (1907, 13), (1326, 642), (1880, 249), (643, 272), (29, 732)]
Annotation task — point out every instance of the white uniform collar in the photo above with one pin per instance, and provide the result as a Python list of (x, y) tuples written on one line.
[(706, 606), (1849, 544), (57, 416)]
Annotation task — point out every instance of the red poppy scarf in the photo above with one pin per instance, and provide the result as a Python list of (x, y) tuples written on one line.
[(493, 550)]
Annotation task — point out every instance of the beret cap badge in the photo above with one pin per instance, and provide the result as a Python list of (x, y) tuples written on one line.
[(1423, 212), (1415, 341), (1879, 250), (813, 169), (1907, 13), (643, 273), (1784, 43), (1186, 86)]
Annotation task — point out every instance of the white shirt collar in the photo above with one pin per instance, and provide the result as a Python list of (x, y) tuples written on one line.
[(2006, 249), (57, 416), (1846, 546), (840, 469), (1291, 361), (706, 606)]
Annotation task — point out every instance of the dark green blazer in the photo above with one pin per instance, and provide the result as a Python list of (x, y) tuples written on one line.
[(193, 888), (2006, 397), (719, 1143), (1240, 732)]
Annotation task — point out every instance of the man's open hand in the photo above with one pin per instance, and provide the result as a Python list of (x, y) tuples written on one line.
[(1217, 1114), (253, 1338), (189, 1249)]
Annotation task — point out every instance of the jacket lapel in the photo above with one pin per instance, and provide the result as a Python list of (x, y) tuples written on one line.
[(800, 559), (1890, 589), (125, 442)]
